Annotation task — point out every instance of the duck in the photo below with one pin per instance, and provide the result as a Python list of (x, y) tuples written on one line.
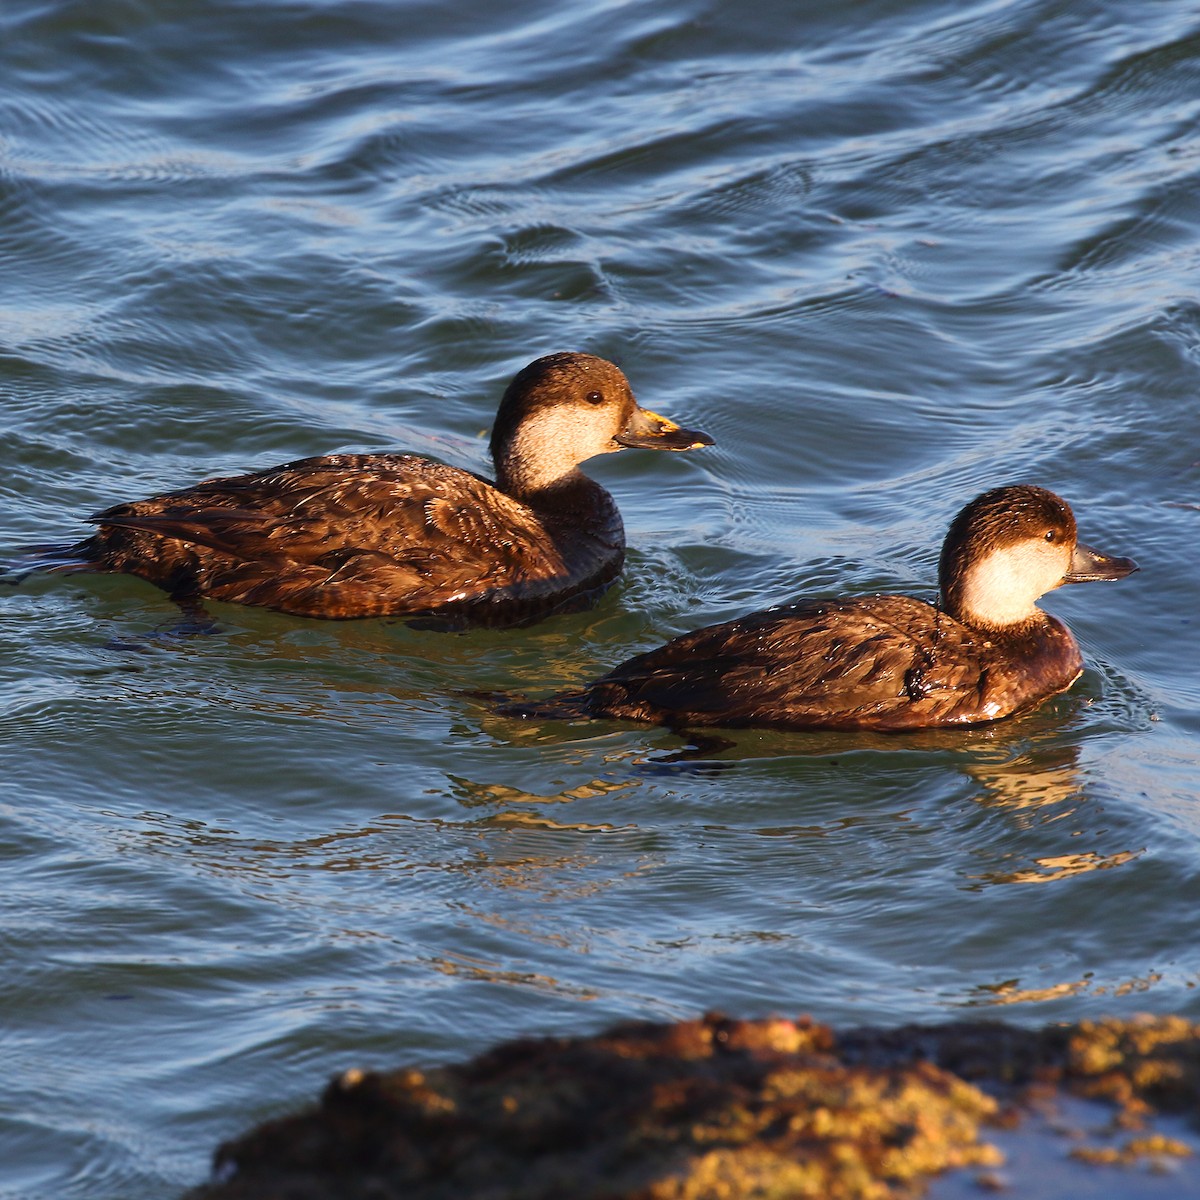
[(391, 534), (983, 651)]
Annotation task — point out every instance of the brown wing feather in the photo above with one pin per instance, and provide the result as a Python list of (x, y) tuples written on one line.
[(352, 535), (885, 662)]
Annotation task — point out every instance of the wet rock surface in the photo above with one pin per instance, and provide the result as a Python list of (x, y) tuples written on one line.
[(719, 1108)]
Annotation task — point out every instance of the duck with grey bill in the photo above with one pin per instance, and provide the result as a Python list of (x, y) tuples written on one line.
[(369, 535), (982, 652)]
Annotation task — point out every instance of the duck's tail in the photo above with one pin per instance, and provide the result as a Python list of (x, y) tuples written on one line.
[(48, 558)]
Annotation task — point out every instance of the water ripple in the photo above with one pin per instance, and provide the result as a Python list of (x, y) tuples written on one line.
[(887, 262)]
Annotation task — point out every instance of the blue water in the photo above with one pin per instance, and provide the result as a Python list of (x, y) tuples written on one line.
[(888, 254)]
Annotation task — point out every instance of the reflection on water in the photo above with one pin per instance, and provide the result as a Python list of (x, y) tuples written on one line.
[(1062, 866), (530, 821), (1045, 788), (1010, 991), (1040, 777), (472, 794), (476, 971)]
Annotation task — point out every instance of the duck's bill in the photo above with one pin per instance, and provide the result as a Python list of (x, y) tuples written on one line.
[(648, 431), (1088, 566)]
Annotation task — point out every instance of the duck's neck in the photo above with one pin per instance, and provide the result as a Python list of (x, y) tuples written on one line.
[(994, 596), (563, 494), (541, 453), (524, 476), (996, 622)]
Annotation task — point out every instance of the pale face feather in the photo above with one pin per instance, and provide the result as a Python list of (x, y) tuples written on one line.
[(549, 444), (1001, 588)]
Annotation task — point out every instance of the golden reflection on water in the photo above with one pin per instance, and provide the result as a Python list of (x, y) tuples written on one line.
[(1040, 787), (1037, 779), (471, 793), (507, 851), (1063, 866), (1010, 991), (336, 850), (531, 821), (461, 966)]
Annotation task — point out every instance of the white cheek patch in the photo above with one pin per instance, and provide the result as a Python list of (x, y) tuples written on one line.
[(551, 443), (1000, 589)]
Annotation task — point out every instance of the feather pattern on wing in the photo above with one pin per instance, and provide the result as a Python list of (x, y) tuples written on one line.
[(367, 535), (879, 662)]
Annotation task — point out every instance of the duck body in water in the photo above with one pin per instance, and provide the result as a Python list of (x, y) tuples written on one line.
[(983, 652), (369, 535)]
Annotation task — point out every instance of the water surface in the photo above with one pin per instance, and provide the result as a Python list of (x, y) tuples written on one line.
[(888, 255)]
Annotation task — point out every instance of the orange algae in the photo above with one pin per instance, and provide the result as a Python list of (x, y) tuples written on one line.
[(711, 1109)]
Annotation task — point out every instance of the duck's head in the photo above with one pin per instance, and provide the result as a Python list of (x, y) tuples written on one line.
[(1010, 546), (566, 408)]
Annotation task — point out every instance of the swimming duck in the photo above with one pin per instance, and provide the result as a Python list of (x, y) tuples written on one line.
[(984, 651), (367, 535)]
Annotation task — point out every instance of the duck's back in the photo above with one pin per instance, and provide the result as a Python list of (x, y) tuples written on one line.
[(359, 535), (880, 662)]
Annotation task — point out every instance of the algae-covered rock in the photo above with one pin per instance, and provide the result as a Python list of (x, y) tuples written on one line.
[(712, 1109)]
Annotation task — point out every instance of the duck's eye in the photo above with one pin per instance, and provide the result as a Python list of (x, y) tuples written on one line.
[(595, 397), (1051, 536)]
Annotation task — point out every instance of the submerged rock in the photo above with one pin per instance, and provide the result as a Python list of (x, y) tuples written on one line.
[(712, 1109)]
